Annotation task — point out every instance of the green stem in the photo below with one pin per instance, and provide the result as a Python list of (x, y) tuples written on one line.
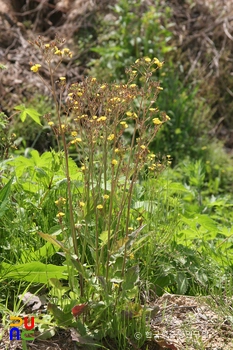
[(66, 154)]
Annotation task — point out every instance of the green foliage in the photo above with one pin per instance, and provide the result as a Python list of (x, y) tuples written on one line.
[(145, 31), (193, 227), (4, 194), (134, 33), (31, 112), (2, 66), (104, 234), (186, 132), (30, 134), (32, 272)]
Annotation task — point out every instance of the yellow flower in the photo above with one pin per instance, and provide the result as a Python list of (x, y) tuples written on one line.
[(83, 168), (94, 117), (35, 68), (139, 218), (66, 51), (115, 99), (82, 204), (143, 147), (93, 80), (103, 87), (58, 52), (60, 214), (116, 150), (129, 114), (151, 156), (153, 109), (147, 59), (99, 206), (101, 119), (61, 200), (124, 124), (135, 115), (134, 72), (50, 123), (74, 133), (159, 88), (114, 162), (111, 137), (137, 61), (156, 61), (76, 140), (106, 196), (79, 93), (62, 78), (47, 46), (156, 121), (133, 86), (167, 117)]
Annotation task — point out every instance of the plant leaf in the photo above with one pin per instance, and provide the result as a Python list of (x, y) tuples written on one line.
[(4, 194), (130, 278), (33, 272), (31, 112)]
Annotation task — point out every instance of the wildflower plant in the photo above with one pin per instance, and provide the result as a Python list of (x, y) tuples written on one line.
[(100, 225)]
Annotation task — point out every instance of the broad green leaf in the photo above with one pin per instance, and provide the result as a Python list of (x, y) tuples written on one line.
[(23, 116), (130, 278), (58, 289), (47, 251), (62, 318), (34, 115), (31, 112), (104, 237), (35, 271)]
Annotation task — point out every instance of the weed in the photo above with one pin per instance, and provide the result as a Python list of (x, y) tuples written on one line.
[(99, 226)]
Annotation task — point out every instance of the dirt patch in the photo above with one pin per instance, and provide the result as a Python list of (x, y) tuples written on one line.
[(21, 22)]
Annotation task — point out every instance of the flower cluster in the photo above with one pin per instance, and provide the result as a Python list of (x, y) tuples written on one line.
[(109, 127)]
